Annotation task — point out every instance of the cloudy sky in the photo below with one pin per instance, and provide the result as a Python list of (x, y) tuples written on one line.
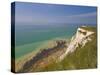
[(39, 14)]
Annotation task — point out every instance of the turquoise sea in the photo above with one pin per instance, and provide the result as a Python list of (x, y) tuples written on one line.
[(30, 37)]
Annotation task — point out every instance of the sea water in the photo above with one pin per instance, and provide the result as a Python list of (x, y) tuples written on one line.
[(30, 37)]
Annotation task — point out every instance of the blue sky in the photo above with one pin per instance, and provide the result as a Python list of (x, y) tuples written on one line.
[(39, 14)]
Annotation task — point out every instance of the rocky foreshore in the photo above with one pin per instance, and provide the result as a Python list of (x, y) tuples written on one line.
[(44, 57)]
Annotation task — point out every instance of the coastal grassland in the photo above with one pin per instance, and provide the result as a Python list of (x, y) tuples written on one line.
[(81, 58), (89, 28)]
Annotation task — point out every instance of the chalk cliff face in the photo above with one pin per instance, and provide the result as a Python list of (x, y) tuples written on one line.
[(81, 37)]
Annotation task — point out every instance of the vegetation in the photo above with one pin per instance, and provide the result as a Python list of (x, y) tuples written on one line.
[(90, 28)]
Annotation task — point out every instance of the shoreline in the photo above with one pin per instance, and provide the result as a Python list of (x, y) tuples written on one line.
[(48, 44), (31, 47)]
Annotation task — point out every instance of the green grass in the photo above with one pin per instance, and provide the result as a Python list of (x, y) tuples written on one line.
[(82, 58), (90, 28)]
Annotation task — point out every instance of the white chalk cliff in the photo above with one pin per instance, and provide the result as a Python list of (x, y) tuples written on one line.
[(81, 37)]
